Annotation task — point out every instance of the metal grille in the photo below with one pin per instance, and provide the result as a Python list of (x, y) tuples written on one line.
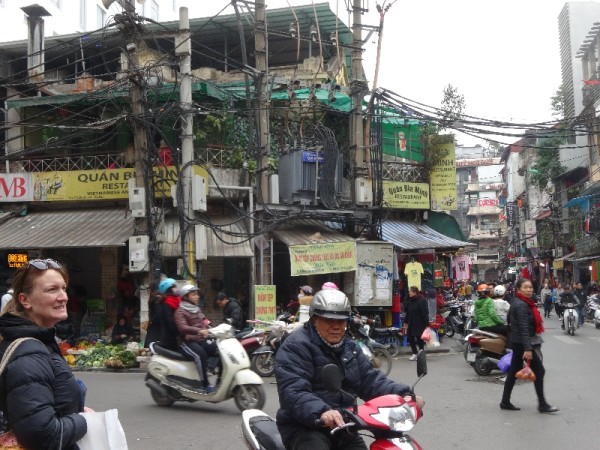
[(399, 171)]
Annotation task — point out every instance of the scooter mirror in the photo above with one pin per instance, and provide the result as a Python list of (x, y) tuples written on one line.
[(421, 363), (332, 377)]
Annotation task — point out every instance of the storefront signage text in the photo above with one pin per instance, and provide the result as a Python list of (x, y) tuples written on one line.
[(16, 260), (314, 259), (477, 162), (487, 202), (443, 174), (404, 195), (264, 302)]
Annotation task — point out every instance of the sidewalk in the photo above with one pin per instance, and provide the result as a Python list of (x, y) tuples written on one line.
[(447, 345)]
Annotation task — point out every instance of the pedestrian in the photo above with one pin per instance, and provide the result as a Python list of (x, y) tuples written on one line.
[(525, 338), (122, 332), (232, 310), (5, 299), (546, 297), (581, 297), (168, 329), (416, 318), (40, 397), (153, 324), (305, 296), (557, 296)]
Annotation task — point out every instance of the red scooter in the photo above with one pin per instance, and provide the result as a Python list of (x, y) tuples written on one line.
[(388, 418)]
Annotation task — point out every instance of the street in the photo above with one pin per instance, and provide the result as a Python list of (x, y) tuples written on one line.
[(461, 409)]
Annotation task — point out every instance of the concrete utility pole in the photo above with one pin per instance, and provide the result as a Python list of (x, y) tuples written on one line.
[(183, 49), (358, 85), (260, 44)]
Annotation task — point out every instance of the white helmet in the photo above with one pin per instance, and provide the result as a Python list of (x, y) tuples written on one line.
[(499, 291), (330, 304), (185, 290)]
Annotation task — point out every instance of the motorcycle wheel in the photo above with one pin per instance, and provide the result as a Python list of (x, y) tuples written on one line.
[(161, 400), (382, 360), (249, 396), (449, 330), (395, 345), (597, 325), (480, 367), (263, 364)]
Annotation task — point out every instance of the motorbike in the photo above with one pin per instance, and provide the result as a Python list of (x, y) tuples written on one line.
[(570, 318), (388, 336), (485, 350), (251, 339), (376, 353), (263, 358), (387, 418), (454, 318), (173, 376)]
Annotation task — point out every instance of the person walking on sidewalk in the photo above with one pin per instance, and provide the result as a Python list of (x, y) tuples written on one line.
[(417, 319), (525, 338)]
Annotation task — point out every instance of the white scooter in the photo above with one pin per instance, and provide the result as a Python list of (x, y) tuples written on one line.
[(570, 318), (173, 376)]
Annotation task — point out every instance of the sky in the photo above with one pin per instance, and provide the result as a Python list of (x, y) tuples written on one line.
[(502, 56)]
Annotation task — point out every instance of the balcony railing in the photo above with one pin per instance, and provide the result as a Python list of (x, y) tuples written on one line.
[(400, 171)]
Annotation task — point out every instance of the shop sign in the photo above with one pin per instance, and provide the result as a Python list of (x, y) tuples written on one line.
[(443, 174), (15, 187), (521, 259), (531, 234), (487, 202), (315, 259), (16, 260), (477, 162), (512, 214), (264, 302), (311, 157), (405, 195), (558, 265), (109, 184)]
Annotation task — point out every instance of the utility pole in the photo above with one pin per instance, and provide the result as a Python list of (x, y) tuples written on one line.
[(260, 44), (358, 89)]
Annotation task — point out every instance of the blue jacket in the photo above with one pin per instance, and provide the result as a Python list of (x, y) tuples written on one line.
[(302, 395)]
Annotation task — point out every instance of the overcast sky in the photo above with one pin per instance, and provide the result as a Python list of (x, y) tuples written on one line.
[(503, 56)]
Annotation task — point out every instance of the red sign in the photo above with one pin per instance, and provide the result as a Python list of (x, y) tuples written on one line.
[(487, 202), (15, 187)]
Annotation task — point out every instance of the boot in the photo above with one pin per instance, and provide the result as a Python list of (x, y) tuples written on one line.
[(546, 408)]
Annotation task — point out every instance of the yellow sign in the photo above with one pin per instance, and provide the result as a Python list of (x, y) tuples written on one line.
[(405, 195), (314, 259), (443, 173), (264, 302), (16, 260), (109, 184)]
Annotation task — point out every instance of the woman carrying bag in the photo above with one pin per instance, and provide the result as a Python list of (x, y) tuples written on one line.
[(417, 319)]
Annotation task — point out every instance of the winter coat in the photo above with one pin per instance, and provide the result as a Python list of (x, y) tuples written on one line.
[(168, 329), (521, 324), (153, 332), (485, 313), (580, 296), (38, 391), (233, 311), (302, 393), (416, 315), (189, 324)]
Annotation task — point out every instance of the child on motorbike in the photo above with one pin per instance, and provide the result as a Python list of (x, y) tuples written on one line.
[(485, 312)]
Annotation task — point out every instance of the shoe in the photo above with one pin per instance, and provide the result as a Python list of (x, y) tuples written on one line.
[(547, 409), (509, 406), (413, 358), (209, 389)]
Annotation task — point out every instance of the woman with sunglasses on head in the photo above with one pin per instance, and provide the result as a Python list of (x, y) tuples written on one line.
[(39, 395)]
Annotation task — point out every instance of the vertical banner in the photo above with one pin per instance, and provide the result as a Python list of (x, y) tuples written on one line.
[(512, 214), (264, 302), (443, 173), (531, 234)]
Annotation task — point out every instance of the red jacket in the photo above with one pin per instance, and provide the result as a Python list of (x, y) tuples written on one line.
[(190, 324)]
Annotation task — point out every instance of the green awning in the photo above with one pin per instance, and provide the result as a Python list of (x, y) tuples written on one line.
[(445, 224)]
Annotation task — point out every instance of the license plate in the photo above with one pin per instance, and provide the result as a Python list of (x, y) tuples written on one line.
[(471, 357)]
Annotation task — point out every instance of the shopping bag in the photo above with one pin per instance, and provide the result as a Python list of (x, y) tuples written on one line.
[(526, 373), (104, 431), (504, 363), (433, 341), (426, 335)]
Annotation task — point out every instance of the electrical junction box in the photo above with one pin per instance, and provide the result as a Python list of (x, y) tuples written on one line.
[(198, 193), (363, 191), (137, 199), (174, 194), (138, 253), (200, 238)]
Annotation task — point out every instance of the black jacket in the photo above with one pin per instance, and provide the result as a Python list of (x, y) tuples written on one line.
[(233, 311), (521, 324), (38, 391), (416, 315), (568, 297), (169, 333), (580, 296), (302, 395)]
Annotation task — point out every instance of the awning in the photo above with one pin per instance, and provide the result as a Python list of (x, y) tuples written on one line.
[(565, 257), (74, 228), (583, 258), (581, 202), (413, 236), (306, 231), (226, 237)]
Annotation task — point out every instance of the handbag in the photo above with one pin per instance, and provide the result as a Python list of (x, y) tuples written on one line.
[(104, 431), (504, 363), (8, 440)]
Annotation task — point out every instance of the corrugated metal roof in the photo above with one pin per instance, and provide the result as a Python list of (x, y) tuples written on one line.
[(413, 236), (102, 227), (306, 231)]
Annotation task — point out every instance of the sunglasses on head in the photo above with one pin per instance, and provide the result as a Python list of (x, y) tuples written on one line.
[(44, 264)]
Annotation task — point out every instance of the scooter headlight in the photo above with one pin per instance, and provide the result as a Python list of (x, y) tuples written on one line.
[(398, 418)]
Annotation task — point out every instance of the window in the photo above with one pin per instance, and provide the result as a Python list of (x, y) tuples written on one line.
[(100, 17), (82, 14)]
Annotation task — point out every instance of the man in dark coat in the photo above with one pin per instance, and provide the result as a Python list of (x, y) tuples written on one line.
[(231, 310), (581, 296)]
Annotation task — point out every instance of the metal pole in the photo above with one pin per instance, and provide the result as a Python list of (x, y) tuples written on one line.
[(260, 44), (357, 136)]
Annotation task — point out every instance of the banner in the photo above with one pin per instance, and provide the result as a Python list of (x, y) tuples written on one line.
[(405, 195), (315, 259), (512, 214), (264, 302), (15, 187), (443, 173), (531, 234)]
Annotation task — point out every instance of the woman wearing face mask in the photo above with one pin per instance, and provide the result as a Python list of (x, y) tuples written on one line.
[(305, 296)]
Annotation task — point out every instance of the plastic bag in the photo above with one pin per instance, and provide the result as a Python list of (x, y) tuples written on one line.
[(426, 335), (526, 373), (504, 363), (433, 341), (104, 431)]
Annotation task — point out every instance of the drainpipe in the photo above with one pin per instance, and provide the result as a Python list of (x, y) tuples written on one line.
[(35, 42)]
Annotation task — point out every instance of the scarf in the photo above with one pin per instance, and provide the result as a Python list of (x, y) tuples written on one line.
[(190, 307), (173, 301), (537, 318)]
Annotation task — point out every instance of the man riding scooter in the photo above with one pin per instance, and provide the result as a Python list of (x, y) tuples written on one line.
[(485, 312)]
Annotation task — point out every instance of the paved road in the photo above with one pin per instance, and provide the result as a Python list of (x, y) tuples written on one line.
[(461, 412)]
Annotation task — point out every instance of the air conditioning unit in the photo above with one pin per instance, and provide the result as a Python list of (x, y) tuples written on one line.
[(138, 253)]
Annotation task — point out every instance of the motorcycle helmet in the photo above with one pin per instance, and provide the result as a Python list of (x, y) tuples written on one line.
[(166, 284), (330, 285), (499, 291), (483, 290), (330, 304), (185, 290), (307, 290)]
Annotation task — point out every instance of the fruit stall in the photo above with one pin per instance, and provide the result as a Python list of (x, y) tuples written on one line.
[(97, 355)]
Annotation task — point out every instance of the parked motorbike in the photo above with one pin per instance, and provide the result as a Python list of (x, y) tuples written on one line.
[(454, 318), (391, 337), (377, 353), (263, 358), (173, 376), (485, 350), (251, 339), (570, 318), (388, 418), (591, 306)]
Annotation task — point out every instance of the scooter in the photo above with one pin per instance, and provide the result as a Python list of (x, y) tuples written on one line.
[(597, 318), (376, 353), (570, 318), (485, 350), (173, 376), (263, 358), (388, 418)]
